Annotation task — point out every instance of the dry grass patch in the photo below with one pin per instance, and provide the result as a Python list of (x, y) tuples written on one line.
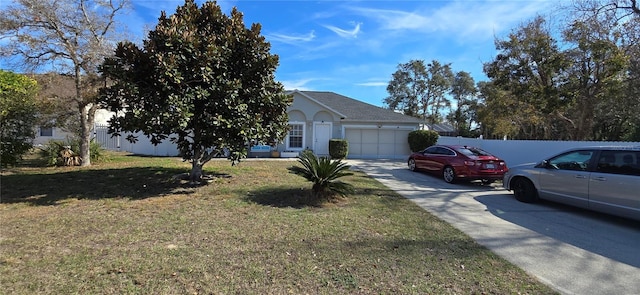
[(128, 226)]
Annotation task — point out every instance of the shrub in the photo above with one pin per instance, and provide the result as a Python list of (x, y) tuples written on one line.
[(306, 151), (338, 148), (12, 149), (18, 116), (422, 139), (323, 173), (51, 150), (96, 152)]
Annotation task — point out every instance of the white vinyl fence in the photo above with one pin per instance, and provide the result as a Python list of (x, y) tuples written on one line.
[(142, 147), (516, 152), (101, 135)]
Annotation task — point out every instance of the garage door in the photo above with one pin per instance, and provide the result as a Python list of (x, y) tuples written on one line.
[(377, 143)]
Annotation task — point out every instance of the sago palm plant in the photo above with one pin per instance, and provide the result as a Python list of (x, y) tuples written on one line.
[(323, 173)]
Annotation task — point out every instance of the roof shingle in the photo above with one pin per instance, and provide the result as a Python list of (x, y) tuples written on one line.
[(355, 110)]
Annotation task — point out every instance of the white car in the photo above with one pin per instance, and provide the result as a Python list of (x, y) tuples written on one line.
[(604, 179)]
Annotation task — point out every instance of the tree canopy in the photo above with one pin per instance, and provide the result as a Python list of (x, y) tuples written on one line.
[(572, 79), (529, 66), (627, 6), (576, 87), (419, 90), (202, 80), (70, 36), (18, 116), (464, 92)]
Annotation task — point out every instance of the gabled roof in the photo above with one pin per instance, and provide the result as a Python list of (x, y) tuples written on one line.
[(354, 110)]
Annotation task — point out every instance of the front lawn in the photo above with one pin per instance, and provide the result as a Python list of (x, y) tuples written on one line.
[(130, 226)]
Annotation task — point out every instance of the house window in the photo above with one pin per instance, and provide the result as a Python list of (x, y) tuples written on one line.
[(296, 135), (48, 132)]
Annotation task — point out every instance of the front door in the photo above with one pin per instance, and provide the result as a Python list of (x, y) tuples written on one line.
[(321, 136)]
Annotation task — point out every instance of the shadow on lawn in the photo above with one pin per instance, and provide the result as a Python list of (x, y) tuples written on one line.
[(282, 197), (132, 183)]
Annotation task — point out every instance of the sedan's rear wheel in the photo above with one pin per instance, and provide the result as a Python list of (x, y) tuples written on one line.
[(412, 164), (524, 190), (448, 174)]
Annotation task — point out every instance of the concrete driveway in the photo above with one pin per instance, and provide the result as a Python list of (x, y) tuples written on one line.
[(571, 250)]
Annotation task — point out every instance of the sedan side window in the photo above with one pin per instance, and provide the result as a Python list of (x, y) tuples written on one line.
[(431, 150), (444, 151), (577, 160)]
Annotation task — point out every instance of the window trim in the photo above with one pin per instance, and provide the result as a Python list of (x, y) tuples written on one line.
[(40, 129), (287, 139)]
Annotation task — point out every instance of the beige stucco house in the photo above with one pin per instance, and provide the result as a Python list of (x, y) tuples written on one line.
[(316, 117)]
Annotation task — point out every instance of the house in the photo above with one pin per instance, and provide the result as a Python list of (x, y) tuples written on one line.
[(45, 134), (315, 117), (53, 87)]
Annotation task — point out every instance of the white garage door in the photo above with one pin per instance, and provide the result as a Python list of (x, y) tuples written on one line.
[(377, 143)]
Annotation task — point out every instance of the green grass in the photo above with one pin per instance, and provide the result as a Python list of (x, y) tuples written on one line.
[(130, 227)]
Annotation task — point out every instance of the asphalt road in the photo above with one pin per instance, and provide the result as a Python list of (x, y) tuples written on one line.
[(572, 250)]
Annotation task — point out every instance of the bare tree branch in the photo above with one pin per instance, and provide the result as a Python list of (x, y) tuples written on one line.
[(632, 5), (69, 35)]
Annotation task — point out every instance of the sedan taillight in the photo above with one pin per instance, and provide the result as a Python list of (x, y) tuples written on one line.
[(471, 163)]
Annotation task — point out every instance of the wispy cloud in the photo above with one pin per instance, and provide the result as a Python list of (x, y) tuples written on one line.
[(463, 19), (296, 84), (373, 84), (394, 19), (344, 33), (470, 19), (291, 39)]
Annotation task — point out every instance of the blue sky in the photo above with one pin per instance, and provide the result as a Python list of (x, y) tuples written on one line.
[(353, 47)]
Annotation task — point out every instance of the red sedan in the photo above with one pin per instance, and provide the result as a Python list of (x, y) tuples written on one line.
[(456, 162)]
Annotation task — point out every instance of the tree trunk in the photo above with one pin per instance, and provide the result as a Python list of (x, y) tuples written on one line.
[(195, 176), (87, 111), (87, 118), (200, 157)]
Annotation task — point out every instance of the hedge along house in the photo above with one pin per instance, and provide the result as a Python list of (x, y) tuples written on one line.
[(315, 117)]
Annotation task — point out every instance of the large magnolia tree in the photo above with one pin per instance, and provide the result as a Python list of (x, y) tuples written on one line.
[(202, 80), (71, 37)]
